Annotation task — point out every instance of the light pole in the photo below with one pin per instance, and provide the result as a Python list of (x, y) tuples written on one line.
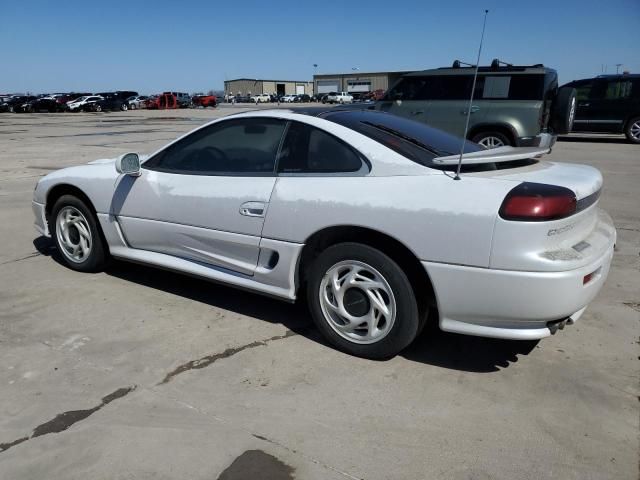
[(315, 74), (618, 65)]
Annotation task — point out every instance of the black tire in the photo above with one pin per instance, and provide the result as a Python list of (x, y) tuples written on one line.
[(97, 108), (483, 137), (407, 319), (563, 111), (124, 107), (98, 257), (631, 130)]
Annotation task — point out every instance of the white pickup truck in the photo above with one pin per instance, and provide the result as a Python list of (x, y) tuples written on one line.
[(339, 97)]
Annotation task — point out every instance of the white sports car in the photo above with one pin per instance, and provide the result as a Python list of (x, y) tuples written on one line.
[(361, 212)]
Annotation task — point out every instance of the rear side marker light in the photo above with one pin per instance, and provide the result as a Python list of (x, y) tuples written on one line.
[(538, 202), (590, 276)]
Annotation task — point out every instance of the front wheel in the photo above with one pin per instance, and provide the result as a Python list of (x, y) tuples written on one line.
[(77, 236), (362, 301), (632, 131)]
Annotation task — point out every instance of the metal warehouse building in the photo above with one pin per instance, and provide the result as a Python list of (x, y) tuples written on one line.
[(253, 86), (355, 81)]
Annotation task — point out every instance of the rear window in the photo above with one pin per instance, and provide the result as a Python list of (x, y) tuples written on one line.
[(413, 140)]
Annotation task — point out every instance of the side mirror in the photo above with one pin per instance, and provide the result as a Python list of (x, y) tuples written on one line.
[(128, 164)]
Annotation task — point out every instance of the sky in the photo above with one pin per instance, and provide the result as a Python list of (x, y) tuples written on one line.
[(193, 46)]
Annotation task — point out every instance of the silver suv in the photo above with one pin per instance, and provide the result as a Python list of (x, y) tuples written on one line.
[(512, 105)]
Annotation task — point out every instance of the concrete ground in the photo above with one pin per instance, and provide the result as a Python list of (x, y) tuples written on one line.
[(139, 373)]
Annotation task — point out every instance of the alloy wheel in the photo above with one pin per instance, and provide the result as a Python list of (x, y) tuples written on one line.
[(491, 142), (357, 302), (634, 130), (73, 234)]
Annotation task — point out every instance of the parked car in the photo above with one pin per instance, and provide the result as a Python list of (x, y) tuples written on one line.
[(204, 101), (109, 103), (339, 97), (242, 98), (136, 101), (361, 214), (82, 103), (50, 105), (608, 104), (261, 98), (302, 98), (19, 103), (288, 98), (183, 99), (512, 105), (164, 101)]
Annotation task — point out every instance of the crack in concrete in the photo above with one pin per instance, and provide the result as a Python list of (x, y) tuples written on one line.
[(209, 359), (27, 257), (311, 459), (634, 305), (65, 420)]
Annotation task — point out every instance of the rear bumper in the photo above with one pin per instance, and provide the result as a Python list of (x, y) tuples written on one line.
[(513, 304), (543, 140)]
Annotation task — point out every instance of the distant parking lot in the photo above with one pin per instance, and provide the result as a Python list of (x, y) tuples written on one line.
[(140, 373)]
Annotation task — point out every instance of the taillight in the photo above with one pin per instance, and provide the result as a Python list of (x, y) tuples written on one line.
[(538, 202)]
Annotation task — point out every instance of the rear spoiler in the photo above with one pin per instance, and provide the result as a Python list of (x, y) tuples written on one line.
[(500, 154)]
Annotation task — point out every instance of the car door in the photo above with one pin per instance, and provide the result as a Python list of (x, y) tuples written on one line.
[(609, 104), (448, 103), (408, 98), (583, 95), (204, 197)]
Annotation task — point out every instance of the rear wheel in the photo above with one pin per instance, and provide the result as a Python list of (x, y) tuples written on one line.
[(77, 235), (632, 131), (491, 139), (98, 108), (124, 107), (362, 301)]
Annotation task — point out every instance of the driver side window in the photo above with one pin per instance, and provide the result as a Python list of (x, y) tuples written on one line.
[(231, 147)]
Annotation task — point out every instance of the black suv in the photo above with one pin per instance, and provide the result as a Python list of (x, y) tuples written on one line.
[(609, 104), (519, 105)]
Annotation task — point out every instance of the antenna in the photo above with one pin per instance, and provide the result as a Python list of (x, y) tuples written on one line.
[(473, 89)]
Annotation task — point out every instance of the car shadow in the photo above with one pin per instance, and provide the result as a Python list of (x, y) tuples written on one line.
[(466, 353), (593, 139), (432, 347)]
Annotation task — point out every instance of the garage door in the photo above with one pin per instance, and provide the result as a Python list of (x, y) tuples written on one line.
[(326, 86), (299, 89)]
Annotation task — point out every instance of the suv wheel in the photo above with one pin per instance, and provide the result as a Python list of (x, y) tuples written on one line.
[(124, 107), (563, 111), (633, 130), (491, 139), (362, 301)]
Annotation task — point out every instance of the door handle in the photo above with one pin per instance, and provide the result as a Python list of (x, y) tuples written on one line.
[(252, 209), (474, 109), (417, 112), (584, 104)]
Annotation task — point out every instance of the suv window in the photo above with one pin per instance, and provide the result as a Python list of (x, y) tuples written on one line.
[(307, 149), (618, 89), (583, 89), (231, 147)]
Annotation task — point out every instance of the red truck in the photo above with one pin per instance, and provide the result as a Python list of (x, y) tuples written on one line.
[(205, 101)]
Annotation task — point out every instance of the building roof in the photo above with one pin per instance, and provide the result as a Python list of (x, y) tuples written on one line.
[(265, 80), (357, 72)]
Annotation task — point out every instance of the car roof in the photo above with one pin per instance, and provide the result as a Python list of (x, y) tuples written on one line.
[(510, 70)]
